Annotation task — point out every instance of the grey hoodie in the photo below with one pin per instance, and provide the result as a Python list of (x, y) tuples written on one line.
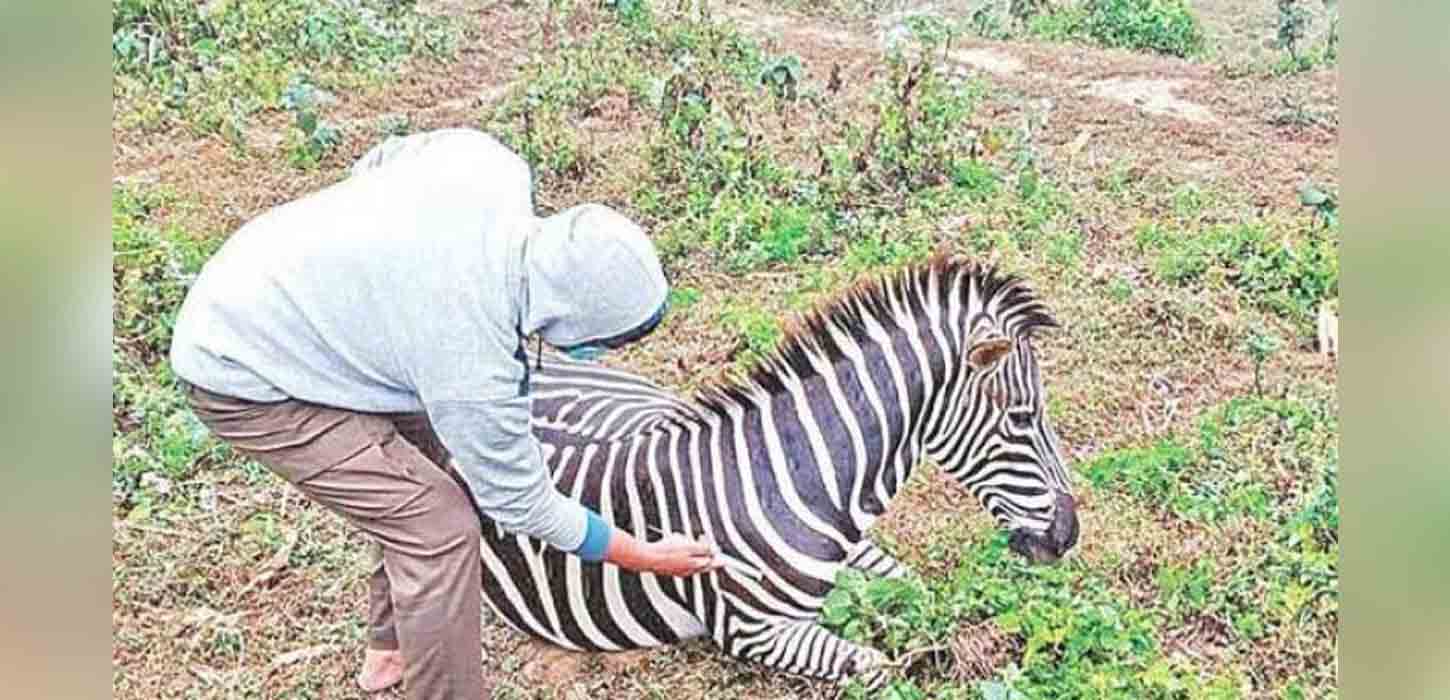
[(409, 287)]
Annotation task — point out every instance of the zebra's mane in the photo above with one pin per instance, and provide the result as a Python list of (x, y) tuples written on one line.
[(810, 335)]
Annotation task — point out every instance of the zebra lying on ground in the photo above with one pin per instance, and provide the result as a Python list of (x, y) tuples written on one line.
[(785, 470)]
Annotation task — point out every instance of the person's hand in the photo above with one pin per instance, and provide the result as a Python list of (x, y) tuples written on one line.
[(677, 555), (672, 555)]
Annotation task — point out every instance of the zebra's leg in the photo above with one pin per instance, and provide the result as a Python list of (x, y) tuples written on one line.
[(871, 559), (805, 648)]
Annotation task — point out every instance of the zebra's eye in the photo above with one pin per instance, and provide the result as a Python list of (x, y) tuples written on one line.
[(1020, 418)]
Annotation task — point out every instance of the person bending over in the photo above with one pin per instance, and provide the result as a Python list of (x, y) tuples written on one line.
[(355, 339)]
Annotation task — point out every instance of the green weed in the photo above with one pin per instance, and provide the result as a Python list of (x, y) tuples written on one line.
[(783, 77), (757, 331), (1163, 26), (1324, 204), (874, 252), (1289, 276), (1064, 248), (393, 125), (1264, 467), (716, 181), (916, 140), (1261, 345), (1293, 27), (315, 137), (211, 65), (1226, 472), (975, 178), (154, 433), (683, 298), (1065, 632), (1148, 473), (152, 267), (1292, 34), (1024, 10), (1119, 289), (1331, 37), (1185, 588)]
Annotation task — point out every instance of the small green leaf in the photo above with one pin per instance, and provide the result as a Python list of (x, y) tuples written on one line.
[(1310, 196), (999, 690), (307, 121)]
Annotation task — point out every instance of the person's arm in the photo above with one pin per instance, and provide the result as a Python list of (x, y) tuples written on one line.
[(500, 460)]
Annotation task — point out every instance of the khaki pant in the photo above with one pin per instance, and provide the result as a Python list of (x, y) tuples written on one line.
[(388, 475)]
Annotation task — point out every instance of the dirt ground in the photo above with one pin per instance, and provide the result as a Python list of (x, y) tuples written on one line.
[(259, 594)]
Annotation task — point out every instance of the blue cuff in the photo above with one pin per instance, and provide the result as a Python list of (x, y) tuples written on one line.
[(596, 538)]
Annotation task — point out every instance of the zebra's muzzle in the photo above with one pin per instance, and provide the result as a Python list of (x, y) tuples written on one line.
[(1051, 544)]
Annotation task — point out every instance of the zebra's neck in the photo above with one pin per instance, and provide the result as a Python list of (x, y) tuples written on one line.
[(849, 424)]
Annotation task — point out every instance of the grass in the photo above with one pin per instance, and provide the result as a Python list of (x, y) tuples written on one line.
[(156, 440), (1246, 454), (1067, 631), (716, 107), (1168, 27), (1202, 426), (212, 65), (758, 332), (1290, 272)]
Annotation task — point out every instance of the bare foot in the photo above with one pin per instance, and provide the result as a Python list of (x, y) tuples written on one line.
[(382, 669)]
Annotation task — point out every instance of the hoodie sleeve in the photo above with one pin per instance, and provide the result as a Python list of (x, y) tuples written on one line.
[(471, 375), (501, 462)]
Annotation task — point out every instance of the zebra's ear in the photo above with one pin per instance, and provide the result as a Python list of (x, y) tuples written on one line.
[(985, 351)]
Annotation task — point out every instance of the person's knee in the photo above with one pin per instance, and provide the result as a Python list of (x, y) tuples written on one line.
[(455, 524)]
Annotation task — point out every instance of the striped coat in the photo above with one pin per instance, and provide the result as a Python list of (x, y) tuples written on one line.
[(785, 470)]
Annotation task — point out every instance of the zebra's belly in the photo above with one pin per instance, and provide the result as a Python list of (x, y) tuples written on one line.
[(580, 605), (598, 607)]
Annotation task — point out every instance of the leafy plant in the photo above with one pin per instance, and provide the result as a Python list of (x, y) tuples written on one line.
[(783, 76), (1163, 26), (1324, 204), (976, 178), (1261, 345), (683, 298), (985, 21), (1119, 289), (1064, 248), (1024, 10), (152, 268), (1212, 478), (916, 139), (873, 252), (1288, 275), (1059, 631), (210, 65), (1293, 27), (394, 125), (317, 137), (758, 333), (1149, 473)]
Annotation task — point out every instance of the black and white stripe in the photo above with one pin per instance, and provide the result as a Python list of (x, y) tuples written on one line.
[(786, 470)]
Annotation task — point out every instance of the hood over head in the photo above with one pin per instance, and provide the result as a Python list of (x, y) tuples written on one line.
[(591, 274)]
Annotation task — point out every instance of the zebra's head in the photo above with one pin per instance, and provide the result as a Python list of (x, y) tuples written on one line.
[(993, 435)]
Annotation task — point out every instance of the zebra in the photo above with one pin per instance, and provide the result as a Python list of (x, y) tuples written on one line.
[(786, 468)]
